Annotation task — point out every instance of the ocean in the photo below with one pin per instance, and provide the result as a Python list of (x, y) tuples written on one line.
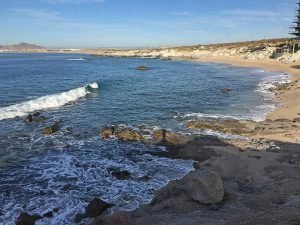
[(34, 169)]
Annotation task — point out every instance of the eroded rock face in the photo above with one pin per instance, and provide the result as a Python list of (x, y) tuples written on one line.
[(202, 186)]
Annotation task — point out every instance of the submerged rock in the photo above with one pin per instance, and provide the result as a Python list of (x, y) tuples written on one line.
[(143, 68), (202, 186), (227, 90), (39, 119), (95, 208), (121, 174), (27, 219)]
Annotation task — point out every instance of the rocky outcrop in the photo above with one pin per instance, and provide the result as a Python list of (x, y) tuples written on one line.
[(202, 186), (95, 208)]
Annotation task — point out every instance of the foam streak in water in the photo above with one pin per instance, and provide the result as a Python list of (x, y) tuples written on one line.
[(43, 103)]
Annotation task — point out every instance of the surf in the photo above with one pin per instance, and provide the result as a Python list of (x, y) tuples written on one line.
[(46, 102)]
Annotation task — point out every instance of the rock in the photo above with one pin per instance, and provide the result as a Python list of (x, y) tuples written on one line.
[(203, 186), (143, 68), (48, 214), (128, 134), (225, 126), (67, 187), (144, 178), (107, 132), (39, 119), (27, 219), (168, 137), (51, 130), (29, 118), (227, 90), (121, 174), (95, 208)]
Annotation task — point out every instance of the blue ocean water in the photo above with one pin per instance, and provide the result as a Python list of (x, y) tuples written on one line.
[(34, 168)]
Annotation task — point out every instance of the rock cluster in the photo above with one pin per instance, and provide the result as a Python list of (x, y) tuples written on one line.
[(142, 134)]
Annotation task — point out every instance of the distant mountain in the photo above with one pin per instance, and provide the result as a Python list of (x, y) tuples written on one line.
[(20, 47)]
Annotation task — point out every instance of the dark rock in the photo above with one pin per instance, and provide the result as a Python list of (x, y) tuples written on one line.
[(226, 90), (51, 130), (67, 187), (27, 219), (96, 207), (143, 68), (29, 118), (121, 174), (48, 214), (55, 210), (144, 178)]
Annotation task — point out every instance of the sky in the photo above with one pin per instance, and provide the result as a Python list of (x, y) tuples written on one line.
[(142, 23)]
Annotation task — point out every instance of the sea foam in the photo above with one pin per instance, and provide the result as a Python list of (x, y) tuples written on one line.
[(45, 102)]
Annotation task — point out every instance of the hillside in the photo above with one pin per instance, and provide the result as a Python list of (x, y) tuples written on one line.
[(21, 47), (275, 49)]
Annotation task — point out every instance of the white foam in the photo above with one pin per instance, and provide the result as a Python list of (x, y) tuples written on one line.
[(79, 59), (43, 103), (94, 85)]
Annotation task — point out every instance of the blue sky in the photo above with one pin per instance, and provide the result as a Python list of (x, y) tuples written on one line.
[(142, 23)]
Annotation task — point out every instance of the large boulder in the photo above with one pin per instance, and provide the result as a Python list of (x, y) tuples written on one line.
[(202, 186), (128, 134), (95, 208), (27, 219)]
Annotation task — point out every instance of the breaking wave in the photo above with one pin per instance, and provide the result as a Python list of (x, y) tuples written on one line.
[(45, 102)]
